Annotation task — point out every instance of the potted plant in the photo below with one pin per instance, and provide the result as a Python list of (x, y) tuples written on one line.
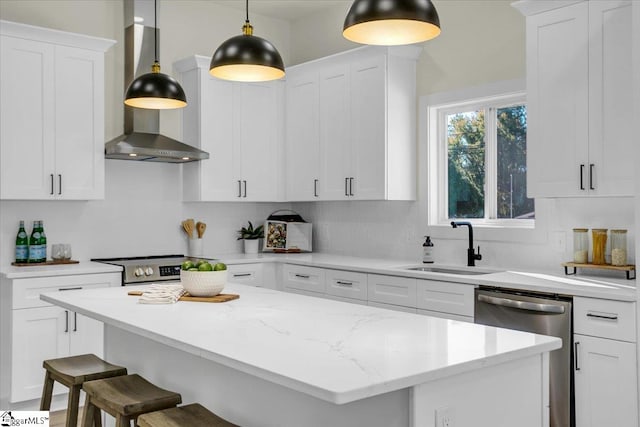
[(250, 237)]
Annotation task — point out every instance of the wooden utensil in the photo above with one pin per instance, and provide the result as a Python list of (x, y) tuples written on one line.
[(188, 225), (200, 228)]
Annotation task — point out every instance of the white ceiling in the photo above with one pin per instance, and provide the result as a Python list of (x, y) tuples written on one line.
[(289, 10)]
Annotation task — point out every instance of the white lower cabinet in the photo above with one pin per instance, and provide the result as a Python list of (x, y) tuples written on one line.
[(605, 382), (245, 274), (346, 284), (41, 331), (392, 307), (303, 279), (445, 298), (605, 367), (400, 291)]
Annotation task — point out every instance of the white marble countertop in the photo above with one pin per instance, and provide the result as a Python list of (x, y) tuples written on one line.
[(576, 285), (83, 267), (335, 351)]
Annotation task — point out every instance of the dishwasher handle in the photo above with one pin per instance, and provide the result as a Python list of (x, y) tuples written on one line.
[(522, 305)]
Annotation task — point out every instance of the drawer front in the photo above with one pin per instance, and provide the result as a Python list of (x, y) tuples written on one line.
[(343, 299), (26, 292), (445, 297), (246, 274), (392, 307), (308, 279), (346, 284), (391, 290), (605, 318), (467, 319)]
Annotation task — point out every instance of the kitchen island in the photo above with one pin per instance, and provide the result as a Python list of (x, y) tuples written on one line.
[(272, 358)]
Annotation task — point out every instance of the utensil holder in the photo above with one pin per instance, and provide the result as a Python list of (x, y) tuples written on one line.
[(195, 247)]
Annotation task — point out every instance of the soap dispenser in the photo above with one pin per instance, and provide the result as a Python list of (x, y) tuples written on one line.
[(427, 251)]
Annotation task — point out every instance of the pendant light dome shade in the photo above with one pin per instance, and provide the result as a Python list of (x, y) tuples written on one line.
[(247, 58), (391, 22), (155, 90)]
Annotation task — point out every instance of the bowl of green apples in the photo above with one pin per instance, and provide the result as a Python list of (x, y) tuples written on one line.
[(202, 278)]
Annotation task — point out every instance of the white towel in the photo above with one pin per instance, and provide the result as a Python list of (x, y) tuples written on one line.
[(162, 294)]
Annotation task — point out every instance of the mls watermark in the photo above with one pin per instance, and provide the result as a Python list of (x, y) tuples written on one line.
[(24, 418)]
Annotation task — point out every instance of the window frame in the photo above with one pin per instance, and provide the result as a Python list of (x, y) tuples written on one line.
[(437, 156)]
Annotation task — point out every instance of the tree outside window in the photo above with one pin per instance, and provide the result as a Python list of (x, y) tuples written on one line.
[(486, 167)]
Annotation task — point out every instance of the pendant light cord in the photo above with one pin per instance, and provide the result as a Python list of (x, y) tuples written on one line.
[(246, 8), (155, 28)]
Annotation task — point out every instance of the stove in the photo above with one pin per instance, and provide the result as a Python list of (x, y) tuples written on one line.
[(146, 269)]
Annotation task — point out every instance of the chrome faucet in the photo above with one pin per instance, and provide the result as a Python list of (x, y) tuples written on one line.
[(472, 256)]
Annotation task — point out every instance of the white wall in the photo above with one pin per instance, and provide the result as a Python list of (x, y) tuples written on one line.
[(142, 209)]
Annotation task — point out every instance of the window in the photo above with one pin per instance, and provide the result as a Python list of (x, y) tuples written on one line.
[(481, 166)]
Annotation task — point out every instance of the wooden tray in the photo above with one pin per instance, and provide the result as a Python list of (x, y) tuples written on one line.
[(51, 262), (575, 265), (187, 297)]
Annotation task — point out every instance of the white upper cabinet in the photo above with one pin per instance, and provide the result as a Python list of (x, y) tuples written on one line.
[(356, 110), (579, 99), (240, 125), (51, 114)]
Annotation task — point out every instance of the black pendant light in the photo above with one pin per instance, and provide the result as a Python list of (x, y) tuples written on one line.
[(391, 22), (155, 90), (247, 58)]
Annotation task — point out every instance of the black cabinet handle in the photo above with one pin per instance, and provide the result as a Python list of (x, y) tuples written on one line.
[(603, 316), (591, 166), (339, 282), (239, 188), (315, 188), (351, 186), (66, 321), (581, 177), (575, 349), (245, 189), (52, 184), (59, 184), (346, 186), (70, 289), (302, 276), (75, 321), (242, 275)]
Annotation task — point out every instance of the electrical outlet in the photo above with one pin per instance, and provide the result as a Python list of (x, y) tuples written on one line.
[(445, 417)]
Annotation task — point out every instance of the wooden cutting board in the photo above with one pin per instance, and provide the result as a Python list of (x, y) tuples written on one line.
[(187, 297)]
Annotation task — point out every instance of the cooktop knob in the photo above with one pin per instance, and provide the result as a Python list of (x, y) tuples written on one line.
[(148, 271), (138, 272)]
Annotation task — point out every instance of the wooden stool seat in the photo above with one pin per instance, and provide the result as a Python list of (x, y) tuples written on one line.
[(72, 372), (125, 398), (183, 416)]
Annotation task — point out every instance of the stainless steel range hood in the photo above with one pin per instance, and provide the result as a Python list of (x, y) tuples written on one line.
[(141, 140)]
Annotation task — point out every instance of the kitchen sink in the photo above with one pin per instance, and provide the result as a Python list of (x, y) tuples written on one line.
[(450, 270)]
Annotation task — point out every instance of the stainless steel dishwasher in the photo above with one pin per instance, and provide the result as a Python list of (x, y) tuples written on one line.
[(540, 313)]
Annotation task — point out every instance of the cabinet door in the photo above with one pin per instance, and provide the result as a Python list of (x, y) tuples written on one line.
[(302, 139), (605, 382), (26, 119), (246, 274), (558, 102), (79, 124), (38, 334), (218, 178), (368, 128), (86, 335), (610, 99), (335, 139), (260, 134)]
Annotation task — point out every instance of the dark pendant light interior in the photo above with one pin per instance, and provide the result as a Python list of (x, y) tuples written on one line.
[(247, 58), (391, 22), (155, 90)]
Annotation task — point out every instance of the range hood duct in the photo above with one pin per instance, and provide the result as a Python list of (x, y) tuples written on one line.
[(141, 140)]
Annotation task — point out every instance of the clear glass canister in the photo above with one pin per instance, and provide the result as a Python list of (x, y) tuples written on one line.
[(618, 247), (580, 245), (599, 237)]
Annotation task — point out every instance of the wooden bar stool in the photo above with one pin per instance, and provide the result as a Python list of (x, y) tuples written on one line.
[(124, 398), (72, 372), (184, 416)]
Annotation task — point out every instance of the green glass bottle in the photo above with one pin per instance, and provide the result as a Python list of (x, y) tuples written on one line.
[(34, 243), (43, 243), (22, 245)]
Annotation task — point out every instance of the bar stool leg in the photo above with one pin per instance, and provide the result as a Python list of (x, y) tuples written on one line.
[(89, 416), (72, 407), (47, 391), (97, 417), (123, 421)]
